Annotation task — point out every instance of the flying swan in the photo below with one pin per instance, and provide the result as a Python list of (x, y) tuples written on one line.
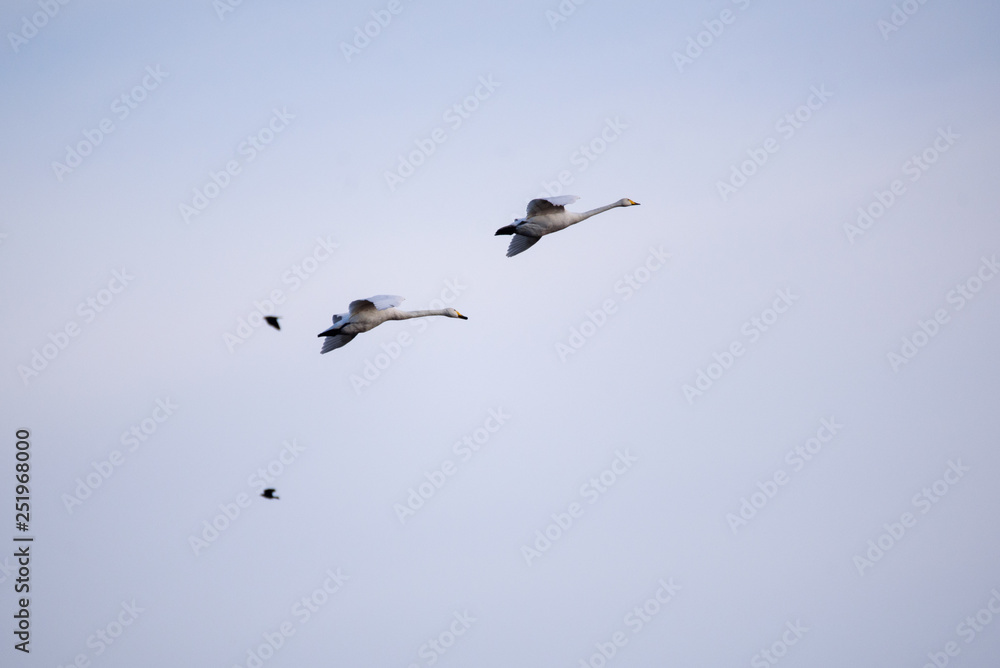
[(546, 216), (365, 314)]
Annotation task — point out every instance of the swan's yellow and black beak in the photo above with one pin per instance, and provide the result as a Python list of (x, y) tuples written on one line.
[(461, 316), (633, 203)]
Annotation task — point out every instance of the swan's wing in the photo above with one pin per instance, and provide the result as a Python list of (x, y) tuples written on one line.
[(562, 200), (383, 302), (520, 243), (548, 204), (376, 303), (336, 341)]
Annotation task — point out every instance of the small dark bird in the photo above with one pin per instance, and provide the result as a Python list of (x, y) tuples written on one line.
[(272, 320), (269, 494)]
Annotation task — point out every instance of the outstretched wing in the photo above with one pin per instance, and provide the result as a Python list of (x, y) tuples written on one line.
[(520, 243), (549, 204), (336, 341), (376, 303)]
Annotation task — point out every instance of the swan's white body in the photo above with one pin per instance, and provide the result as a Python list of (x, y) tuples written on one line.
[(365, 314), (548, 215)]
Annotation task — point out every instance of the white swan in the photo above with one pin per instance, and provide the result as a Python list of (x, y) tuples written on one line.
[(365, 314), (546, 216)]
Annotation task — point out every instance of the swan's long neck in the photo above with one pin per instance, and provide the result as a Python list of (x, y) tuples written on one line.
[(593, 212), (406, 315)]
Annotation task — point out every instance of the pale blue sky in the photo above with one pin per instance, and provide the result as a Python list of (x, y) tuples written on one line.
[(308, 217)]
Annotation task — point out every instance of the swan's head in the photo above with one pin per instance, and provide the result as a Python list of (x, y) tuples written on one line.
[(627, 202), (452, 313)]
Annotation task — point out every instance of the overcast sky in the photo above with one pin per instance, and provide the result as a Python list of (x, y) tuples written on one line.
[(751, 421)]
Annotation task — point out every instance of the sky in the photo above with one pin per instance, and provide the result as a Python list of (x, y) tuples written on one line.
[(749, 422)]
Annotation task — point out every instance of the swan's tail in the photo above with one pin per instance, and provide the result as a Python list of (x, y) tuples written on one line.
[(506, 229)]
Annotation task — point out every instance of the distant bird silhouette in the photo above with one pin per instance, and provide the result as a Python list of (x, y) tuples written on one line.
[(269, 494), (365, 314), (272, 320)]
